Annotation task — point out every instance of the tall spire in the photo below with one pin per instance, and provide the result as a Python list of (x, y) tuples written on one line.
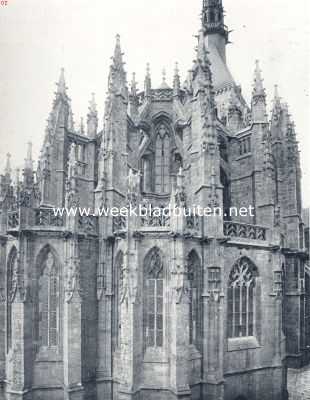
[(213, 18)]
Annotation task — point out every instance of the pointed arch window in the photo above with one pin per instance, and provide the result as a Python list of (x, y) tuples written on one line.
[(49, 302), (242, 299), (11, 287), (162, 161), (194, 279), (154, 299)]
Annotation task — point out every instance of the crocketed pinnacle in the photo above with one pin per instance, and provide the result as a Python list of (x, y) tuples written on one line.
[(8, 168), (133, 85), (28, 159), (258, 87), (176, 81), (93, 105), (61, 85), (148, 81), (117, 76)]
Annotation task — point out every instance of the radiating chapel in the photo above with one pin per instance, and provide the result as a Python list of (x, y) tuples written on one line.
[(157, 308)]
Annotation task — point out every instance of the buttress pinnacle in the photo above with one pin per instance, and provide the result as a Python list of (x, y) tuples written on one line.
[(61, 85), (8, 168), (258, 87), (28, 160)]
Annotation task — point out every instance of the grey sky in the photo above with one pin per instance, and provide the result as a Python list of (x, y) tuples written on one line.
[(38, 37)]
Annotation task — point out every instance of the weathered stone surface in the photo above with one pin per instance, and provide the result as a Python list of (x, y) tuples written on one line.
[(147, 308)]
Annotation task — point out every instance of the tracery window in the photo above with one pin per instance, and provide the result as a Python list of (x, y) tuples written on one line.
[(153, 301), (242, 299), (194, 279), (11, 286), (162, 160), (49, 303)]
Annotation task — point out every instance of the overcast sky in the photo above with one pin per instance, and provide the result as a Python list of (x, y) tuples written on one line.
[(38, 37)]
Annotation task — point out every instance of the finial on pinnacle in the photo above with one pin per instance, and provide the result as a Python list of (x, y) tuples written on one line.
[(258, 89), (17, 176), (276, 98), (28, 160), (164, 73), (93, 104), (133, 81), (61, 85), (276, 92), (176, 69), (147, 81), (118, 55), (133, 85), (176, 80), (82, 130), (8, 168)]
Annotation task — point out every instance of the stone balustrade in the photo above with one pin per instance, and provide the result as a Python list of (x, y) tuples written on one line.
[(244, 231)]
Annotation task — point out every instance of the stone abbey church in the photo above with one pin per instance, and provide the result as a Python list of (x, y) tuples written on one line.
[(179, 307)]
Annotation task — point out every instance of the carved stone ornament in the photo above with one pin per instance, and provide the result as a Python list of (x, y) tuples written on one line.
[(124, 284), (100, 280), (180, 285), (73, 279), (133, 182)]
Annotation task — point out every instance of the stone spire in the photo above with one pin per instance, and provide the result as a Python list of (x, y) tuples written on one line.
[(92, 118), (117, 76), (28, 167), (82, 128), (258, 87), (259, 112), (147, 81), (61, 85), (133, 99), (176, 81), (8, 169), (276, 109), (29, 160), (71, 121), (202, 65)]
